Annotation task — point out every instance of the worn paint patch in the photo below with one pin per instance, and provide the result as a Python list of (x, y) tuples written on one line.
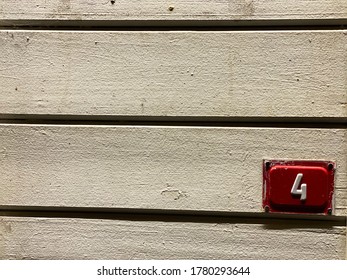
[(3, 153), (173, 194), (7, 227)]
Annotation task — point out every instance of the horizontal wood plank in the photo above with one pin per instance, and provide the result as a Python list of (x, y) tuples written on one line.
[(126, 12), (67, 238), (181, 168), (194, 74)]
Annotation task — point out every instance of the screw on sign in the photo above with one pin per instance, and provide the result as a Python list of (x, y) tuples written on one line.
[(298, 186)]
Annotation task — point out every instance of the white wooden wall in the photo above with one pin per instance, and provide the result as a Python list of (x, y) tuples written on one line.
[(137, 129)]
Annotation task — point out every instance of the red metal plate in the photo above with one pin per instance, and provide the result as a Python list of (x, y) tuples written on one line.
[(298, 186)]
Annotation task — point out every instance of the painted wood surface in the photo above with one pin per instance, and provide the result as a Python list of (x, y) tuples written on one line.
[(232, 11), (218, 74), (182, 168), (68, 238)]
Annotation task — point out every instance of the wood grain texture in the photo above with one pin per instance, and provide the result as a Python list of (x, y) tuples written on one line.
[(233, 11), (182, 168), (218, 74), (65, 238)]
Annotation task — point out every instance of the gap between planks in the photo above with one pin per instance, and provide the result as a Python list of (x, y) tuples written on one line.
[(164, 215), (276, 122), (276, 25)]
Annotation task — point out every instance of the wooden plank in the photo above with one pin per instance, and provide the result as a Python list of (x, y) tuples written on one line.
[(216, 74), (182, 168), (68, 238), (232, 11)]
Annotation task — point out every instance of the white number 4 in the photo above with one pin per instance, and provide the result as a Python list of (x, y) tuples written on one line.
[(303, 187)]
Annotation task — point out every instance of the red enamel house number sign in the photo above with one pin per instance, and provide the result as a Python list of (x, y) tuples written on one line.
[(298, 186)]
